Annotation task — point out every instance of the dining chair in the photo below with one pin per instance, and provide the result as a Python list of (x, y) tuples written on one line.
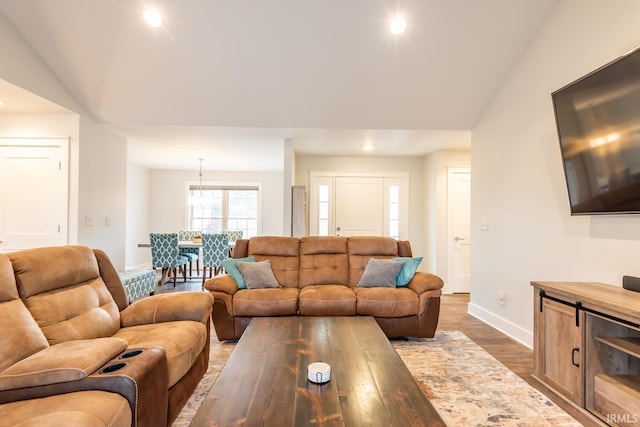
[(233, 236), (192, 253), (165, 254), (215, 249)]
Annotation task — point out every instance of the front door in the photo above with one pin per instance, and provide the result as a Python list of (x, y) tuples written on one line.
[(33, 192), (359, 206)]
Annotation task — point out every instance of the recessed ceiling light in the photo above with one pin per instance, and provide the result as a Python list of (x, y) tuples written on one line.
[(398, 25), (153, 18)]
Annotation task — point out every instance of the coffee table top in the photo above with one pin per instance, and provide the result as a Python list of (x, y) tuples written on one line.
[(264, 382)]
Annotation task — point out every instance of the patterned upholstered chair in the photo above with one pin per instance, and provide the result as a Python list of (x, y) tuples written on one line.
[(233, 236), (192, 253), (215, 249), (165, 254)]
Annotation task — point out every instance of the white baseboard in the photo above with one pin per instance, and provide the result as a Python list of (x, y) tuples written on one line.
[(506, 327)]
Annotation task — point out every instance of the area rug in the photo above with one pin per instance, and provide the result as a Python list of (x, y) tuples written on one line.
[(466, 385)]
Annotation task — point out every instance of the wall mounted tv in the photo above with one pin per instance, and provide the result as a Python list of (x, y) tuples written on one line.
[(598, 122)]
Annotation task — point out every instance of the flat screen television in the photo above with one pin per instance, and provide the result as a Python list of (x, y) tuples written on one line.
[(598, 123)]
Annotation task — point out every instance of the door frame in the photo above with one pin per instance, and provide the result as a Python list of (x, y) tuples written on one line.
[(451, 243), (61, 210)]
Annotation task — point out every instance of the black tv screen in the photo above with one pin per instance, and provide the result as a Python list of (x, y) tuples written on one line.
[(598, 122)]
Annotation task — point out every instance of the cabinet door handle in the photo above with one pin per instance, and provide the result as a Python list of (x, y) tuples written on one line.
[(573, 357)]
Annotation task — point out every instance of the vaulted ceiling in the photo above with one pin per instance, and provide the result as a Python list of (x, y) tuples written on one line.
[(326, 74)]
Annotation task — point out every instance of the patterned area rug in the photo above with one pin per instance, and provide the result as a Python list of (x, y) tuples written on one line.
[(466, 385)]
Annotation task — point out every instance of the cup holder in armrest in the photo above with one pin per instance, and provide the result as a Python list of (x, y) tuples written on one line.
[(112, 368), (130, 353)]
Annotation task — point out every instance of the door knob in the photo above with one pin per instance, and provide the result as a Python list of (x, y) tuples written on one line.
[(459, 238)]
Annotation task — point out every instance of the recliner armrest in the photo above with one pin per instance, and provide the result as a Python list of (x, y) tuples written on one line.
[(423, 282), (194, 305), (63, 362), (222, 283)]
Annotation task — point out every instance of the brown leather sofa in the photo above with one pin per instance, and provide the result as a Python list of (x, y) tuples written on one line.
[(74, 352), (318, 276)]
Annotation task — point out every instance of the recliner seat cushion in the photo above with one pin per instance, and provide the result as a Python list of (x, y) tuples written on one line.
[(266, 302), (327, 300), (182, 341), (81, 409), (387, 302)]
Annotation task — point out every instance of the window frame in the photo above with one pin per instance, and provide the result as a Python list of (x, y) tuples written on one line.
[(228, 186)]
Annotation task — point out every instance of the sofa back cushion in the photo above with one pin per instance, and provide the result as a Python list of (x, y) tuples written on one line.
[(62, 288), (324, 261), (20, 335), (284, 254), (361, 248)]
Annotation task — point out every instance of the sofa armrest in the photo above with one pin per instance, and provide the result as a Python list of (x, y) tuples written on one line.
[(63, 362), (222, 283), (423, 282), (161, 308)]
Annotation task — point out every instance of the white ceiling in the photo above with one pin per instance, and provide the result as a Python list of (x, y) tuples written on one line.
[(326, 74)]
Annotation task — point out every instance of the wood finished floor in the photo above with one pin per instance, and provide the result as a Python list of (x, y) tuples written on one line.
[(454, 317)]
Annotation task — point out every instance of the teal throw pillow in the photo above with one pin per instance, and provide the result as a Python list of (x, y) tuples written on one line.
[(230, 267), (409, 268)]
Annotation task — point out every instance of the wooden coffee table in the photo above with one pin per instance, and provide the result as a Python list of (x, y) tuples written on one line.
[(264, 382)]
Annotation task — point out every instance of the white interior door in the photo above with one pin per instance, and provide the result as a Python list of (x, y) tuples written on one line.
[(33, 193), (359, 206), (459, 233)]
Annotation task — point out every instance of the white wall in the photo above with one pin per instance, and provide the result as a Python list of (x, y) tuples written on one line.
[(167, 212), (518, 184), (97, 155)]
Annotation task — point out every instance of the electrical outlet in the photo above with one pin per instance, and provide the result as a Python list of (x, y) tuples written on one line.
[(502, 298)]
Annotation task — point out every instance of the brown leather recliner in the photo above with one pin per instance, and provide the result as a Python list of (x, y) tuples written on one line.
[(319, 276), (69, 336)]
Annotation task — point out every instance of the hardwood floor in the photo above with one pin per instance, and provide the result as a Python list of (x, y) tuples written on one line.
[(454, 317)]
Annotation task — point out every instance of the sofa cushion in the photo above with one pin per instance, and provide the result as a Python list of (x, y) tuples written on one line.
[(62, 288), (82, 408), (380, 273), (258, 275), (284, 254), (266, 302), (47, 269), (323, 260), (327, 300), (409, 268), (361, 248), (387, 302), (182, 341), (21, 336), (231, 268)]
